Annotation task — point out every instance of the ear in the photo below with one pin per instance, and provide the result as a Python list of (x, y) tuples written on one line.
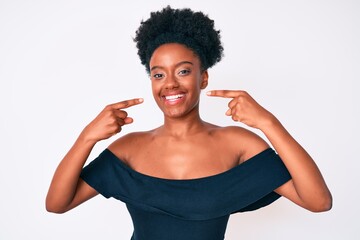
[(204, 79)]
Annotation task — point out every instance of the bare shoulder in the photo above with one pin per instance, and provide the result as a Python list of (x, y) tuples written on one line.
[(125, 145), (248, 143)]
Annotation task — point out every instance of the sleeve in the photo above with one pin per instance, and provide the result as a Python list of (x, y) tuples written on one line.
[(270, 174), (98, 174)]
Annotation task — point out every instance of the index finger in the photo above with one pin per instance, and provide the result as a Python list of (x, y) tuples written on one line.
[(223, 93), (127, 103)]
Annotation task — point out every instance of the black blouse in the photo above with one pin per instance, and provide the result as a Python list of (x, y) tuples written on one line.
[(189, 209)]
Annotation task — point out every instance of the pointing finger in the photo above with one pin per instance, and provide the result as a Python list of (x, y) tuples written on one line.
[(224, 93), (127, 103)]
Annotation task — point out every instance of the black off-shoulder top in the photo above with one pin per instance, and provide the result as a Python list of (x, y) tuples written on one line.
[(189, 209)]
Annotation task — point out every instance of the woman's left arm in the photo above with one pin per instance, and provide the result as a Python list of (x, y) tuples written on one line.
[(307, 187)]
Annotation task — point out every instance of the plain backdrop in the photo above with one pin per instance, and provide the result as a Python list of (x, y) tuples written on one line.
[(61, 62)]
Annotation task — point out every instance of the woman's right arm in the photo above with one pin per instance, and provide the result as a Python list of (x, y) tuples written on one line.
[(67, 190)]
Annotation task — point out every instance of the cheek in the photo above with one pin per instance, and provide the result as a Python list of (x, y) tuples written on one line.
[(198, 83), (155, 89)]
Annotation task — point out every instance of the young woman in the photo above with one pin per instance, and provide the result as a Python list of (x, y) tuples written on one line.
[(183, 179)]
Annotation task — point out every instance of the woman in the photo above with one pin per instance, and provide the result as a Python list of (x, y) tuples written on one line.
[(183, 179)]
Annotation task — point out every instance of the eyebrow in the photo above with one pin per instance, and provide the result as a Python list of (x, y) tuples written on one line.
[(176, 65)]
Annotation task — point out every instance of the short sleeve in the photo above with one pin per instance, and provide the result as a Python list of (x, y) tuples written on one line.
[(269, 173), (98, 174)]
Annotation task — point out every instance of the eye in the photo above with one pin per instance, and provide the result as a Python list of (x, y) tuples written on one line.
[(157, 76), (184, 72)]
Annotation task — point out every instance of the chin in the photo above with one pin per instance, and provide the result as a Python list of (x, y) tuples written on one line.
[(175, 113)]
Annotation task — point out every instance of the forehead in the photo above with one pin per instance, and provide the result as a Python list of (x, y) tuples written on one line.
[(172, 53)]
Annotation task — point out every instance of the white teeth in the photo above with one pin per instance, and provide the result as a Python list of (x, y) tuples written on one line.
[(173, 97)]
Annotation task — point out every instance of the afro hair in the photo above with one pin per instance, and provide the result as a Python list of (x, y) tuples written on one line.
[(193, 29)]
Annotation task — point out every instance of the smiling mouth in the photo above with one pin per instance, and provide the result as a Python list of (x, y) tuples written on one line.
[(174, 97)]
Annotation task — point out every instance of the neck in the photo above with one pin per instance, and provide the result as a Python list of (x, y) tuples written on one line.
[(183, 126)]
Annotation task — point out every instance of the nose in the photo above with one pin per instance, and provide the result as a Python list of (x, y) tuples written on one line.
[(171, 82)]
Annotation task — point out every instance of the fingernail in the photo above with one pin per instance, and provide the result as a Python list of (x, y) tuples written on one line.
[(208, 93), (141, 99)]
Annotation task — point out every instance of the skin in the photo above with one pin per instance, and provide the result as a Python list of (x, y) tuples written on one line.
[(185, 146)]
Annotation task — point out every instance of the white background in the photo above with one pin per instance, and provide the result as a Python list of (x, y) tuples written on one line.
[(61, 62)]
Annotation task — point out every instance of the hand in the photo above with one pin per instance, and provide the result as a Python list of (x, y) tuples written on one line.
[(243, 108), (109, 121)]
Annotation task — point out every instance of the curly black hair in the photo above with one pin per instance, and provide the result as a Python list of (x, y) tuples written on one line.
[(193, 29)]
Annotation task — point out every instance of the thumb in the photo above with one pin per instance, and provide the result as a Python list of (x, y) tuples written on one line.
[(128, 120)]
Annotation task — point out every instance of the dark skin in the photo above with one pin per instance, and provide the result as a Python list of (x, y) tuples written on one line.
[(185, 146)]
